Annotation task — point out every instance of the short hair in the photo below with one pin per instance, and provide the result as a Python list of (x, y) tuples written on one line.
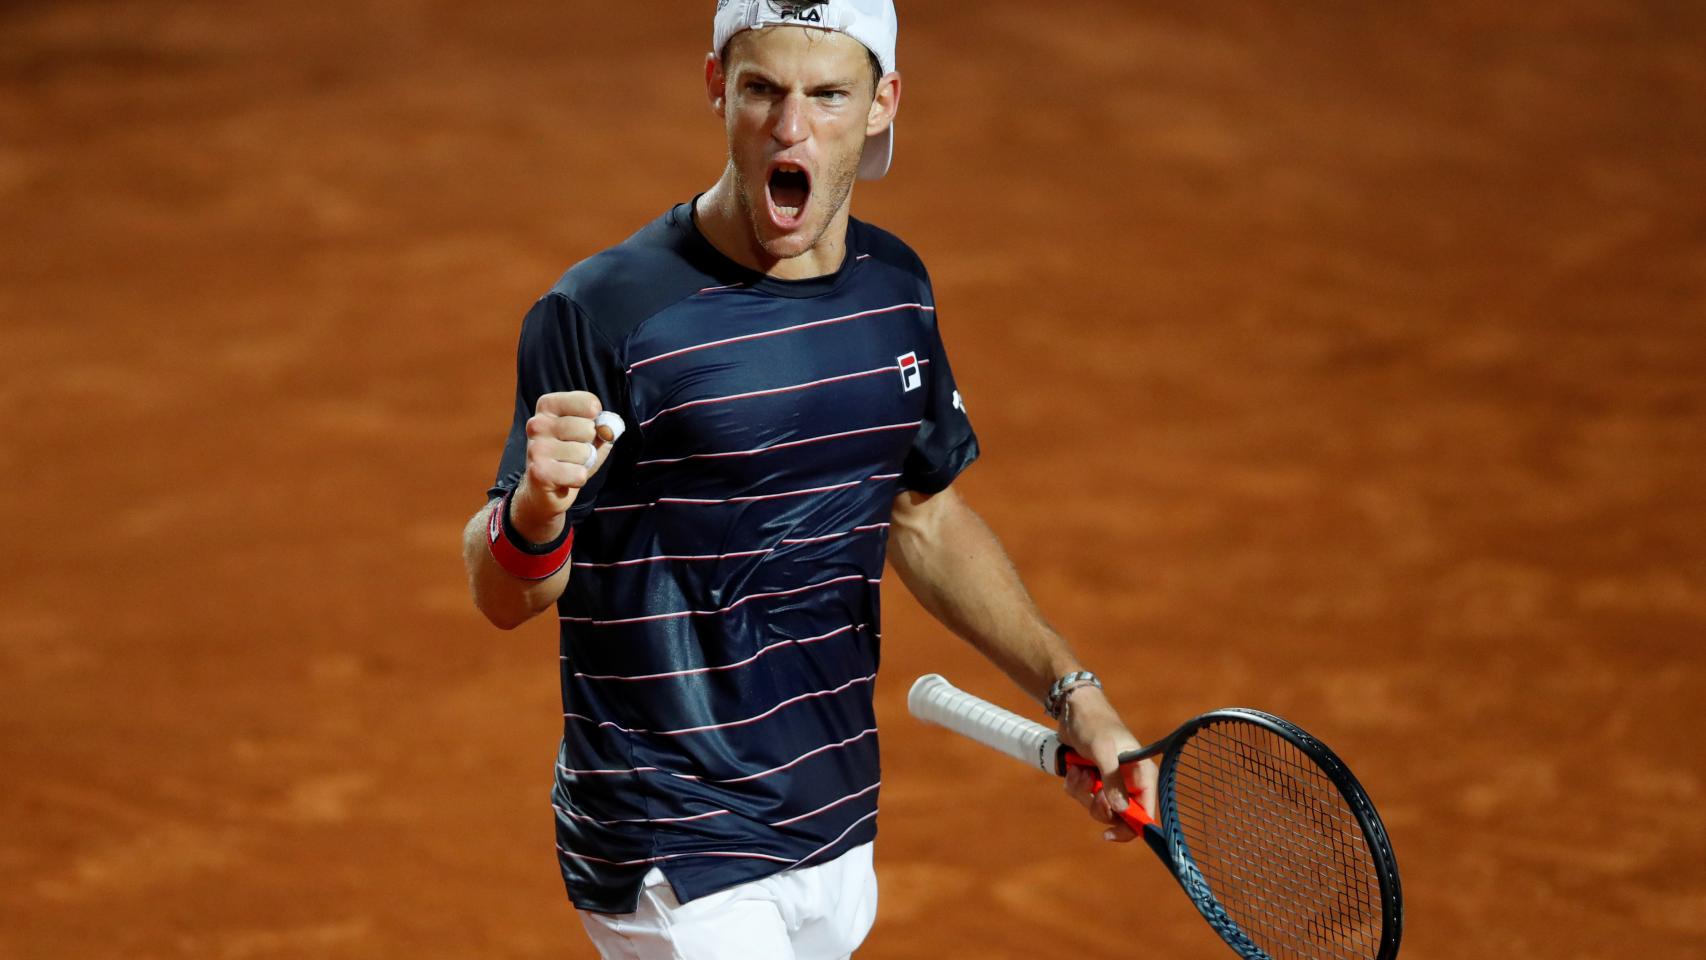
[(876, 65)]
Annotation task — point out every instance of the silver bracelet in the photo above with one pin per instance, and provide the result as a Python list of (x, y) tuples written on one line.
[(1055, 704)]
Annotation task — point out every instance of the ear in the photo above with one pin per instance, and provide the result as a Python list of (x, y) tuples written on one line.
[(884, 105), (715, 83)]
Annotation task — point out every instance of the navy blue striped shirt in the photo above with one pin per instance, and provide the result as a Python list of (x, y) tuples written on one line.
[(720, 628)]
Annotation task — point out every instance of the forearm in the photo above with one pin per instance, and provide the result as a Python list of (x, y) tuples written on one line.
[(956, 567), (506, 600), (950, 559)]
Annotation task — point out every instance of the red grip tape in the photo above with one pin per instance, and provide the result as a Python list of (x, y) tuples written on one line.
[(1134, 815)]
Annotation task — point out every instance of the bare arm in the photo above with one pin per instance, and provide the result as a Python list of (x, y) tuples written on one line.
[(956, 567), (953, 563)]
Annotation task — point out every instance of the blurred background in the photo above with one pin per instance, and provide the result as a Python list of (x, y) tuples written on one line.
[(1344, 359)]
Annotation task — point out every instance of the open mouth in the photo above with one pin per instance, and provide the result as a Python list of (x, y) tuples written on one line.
[(790, 187)]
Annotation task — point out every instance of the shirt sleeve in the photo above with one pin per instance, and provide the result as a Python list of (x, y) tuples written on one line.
[(945, 445), (561, 350)]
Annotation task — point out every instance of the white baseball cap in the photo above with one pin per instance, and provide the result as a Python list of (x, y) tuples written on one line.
[(871, 22)]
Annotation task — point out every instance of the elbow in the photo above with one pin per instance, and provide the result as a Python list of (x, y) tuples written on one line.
[(505, 614), (503, 619)]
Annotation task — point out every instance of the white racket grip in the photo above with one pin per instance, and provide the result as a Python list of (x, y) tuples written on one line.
[(934, 700)]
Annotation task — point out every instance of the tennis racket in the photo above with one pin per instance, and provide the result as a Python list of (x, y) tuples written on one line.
[(1266, 830)]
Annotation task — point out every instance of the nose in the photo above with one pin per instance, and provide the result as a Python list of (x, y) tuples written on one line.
[(791, 125)]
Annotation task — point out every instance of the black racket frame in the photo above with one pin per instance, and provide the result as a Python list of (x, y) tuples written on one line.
[(1168, 841)]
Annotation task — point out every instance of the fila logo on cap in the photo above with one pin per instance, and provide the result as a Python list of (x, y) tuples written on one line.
[(911, 377), (803, 11)]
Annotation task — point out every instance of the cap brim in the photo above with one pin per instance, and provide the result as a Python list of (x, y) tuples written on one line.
[(879, 153)]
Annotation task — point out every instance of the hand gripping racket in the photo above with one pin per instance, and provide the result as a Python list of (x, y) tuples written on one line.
[(1268, 833)]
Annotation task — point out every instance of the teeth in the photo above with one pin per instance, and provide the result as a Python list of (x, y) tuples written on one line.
[(789, 212)]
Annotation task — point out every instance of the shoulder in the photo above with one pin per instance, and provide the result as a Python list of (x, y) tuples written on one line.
[(618, 288), (886, 248)]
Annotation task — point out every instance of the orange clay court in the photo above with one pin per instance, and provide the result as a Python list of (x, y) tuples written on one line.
[(1343, 360)]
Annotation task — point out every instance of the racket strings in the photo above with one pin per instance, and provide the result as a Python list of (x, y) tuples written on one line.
[(1262, 893), (1297, 866), (1297, 861), (1277, 844)]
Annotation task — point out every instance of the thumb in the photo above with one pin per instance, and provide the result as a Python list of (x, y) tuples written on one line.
[(608, 427), (1113, 783)]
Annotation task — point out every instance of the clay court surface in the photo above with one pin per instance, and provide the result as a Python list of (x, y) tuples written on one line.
[(1345, 360)]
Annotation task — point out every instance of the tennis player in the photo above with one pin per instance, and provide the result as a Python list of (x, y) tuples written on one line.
[(723, 426)]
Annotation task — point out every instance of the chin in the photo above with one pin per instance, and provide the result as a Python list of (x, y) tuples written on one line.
[(792, 244)]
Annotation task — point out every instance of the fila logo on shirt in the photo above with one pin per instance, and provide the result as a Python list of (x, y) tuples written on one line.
[(911, 375), (802, 11)]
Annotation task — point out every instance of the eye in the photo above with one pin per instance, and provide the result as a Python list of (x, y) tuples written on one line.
[(832, 96), (758, 87)]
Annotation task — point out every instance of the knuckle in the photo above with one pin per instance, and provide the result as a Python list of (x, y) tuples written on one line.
[(577, 403)]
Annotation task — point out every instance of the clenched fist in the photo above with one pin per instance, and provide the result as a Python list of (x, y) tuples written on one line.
[(568, 440)]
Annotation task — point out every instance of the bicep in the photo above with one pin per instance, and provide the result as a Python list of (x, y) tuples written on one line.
[(925, 524), (915, 512)]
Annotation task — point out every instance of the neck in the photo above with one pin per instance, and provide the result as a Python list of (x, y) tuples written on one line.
[(728, 226)]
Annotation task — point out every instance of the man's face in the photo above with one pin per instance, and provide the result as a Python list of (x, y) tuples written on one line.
[(797, 104)]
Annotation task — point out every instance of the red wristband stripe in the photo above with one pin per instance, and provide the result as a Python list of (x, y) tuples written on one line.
[(518, 562)]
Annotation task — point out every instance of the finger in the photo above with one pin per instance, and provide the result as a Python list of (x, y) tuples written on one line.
[(545, 426), (574, 403), (1081, 786), (610, 426), (597, 454), (1139, 779), (1114, 793), (1098, 805), (566, 451), (1078, 786), (553, 427), (555, 475), (1113, 781), (1119, 832), (609, 429), (579, 429)]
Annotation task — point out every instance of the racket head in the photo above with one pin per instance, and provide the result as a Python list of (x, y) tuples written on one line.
[(1275, 841)]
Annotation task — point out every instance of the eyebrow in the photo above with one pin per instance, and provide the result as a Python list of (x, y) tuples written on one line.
[(748, 72)]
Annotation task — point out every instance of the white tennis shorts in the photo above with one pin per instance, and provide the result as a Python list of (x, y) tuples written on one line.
[(811, 913)]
